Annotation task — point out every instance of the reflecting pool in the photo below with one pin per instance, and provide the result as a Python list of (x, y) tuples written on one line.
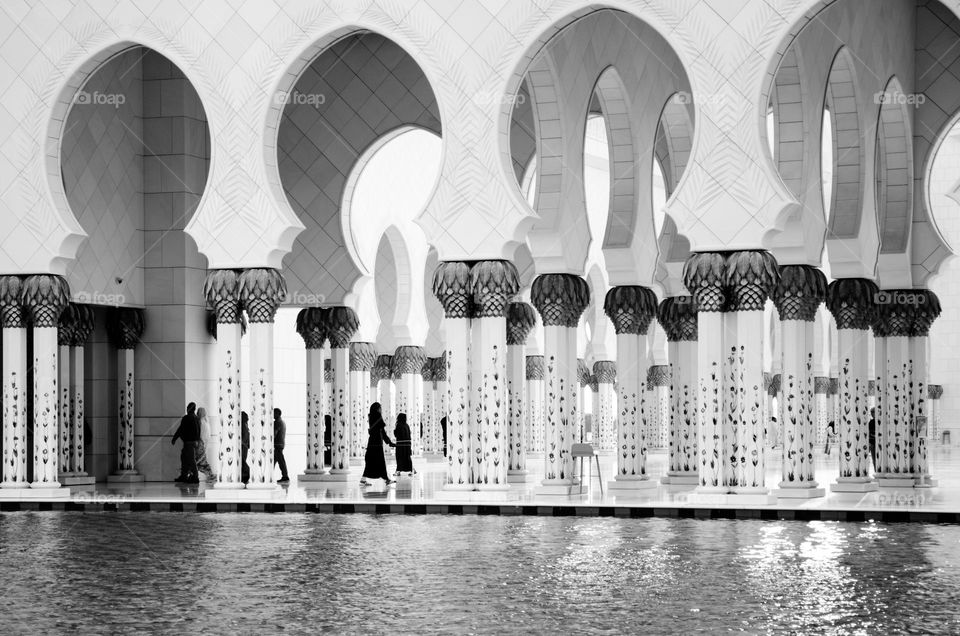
[(225, 573)]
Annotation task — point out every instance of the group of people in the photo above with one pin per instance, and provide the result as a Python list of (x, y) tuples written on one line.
[(193, 455)]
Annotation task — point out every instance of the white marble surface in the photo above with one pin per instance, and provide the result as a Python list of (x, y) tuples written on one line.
[(426, 488)]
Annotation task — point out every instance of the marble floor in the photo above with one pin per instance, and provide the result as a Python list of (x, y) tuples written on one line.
[(426, 487)]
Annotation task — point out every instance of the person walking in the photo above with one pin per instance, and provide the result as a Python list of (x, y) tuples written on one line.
[(189, 433), (279, 440), (401, 433), (872, 436), (244, 446), (201, 448), (374, 464)]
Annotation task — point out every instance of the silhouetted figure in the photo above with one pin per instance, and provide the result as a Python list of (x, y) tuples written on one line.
[(443, 430), (201, 449), (401, 434), (374, 464), (244, 446), (279, 441), (327, 440), (872, 436), (831, 436), (189, 432)]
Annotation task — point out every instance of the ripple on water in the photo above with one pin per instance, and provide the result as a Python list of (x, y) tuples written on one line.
[(219, 573)]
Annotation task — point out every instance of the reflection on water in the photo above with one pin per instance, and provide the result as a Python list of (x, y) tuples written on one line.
[(360, 573)]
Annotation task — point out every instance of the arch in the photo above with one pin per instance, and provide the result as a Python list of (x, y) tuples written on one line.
[(895, 166), (601, 344), (434, 345), (846, 206), (570, 74), (78, 66), (354, 95)]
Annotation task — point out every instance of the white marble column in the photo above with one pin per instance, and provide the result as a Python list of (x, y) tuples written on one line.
[(386, 389), (605, 405), (797, 297), (704, 278), (342, 324), (934, 418), (926, 311), (631, 308), (850, 300), (442, 403), (74, 473), (678, 317), (451, 285), (311, 325), (560, 300), (493, 283), (43, 298), (534, 373), (658, 392), (408, 363), (584, 380), (363, 355), (261, 292), (14, 384), (222, 291), (64, 416), (431, 443), (893, 326), (521, 318)]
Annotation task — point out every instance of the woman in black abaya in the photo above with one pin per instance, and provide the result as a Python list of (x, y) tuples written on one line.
[(374, 464), (404, 449)]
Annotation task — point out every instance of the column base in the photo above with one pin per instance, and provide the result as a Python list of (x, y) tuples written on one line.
[(432, 458), (798, 492), (854, 484), (311, 475), (77, 480), (227, 486), (125, 477), (680, 479), (493, 487), (519, 476), (457, 488), (340, 475), (926, 481), (39, 492), (888, 480)]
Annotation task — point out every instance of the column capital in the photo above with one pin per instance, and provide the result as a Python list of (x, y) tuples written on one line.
[(408, 359), (493, 283), (429, 369), (583, 372), (605, 371), (328, 370), (593, 383), (451, 286), (678, 317), (222, 291), (43, 297), (11, 309), (521, 318), (872, 387), (383, 367), (630, 308), (440, 368), (775, 381), (751, 276), (534, 367), (895, 313), (926, 311), (703, 276), (342, 324), (851, 302), (833, 386), (363, 355), (83, 324), (934, 391), (125, 326), (65, 326), (312, 327), (658, 375), (261, 292), (801, 290), (560, 299)]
